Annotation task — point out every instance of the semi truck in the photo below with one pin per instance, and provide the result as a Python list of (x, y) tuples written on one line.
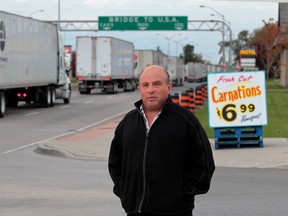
[(196, 72), (104, 63), (145, 58), (175, 68), (31, 63)]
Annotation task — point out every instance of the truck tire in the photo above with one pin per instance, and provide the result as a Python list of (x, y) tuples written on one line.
[(129, 85), (52, 95), (45, 96), (113, 89), (2, 104)]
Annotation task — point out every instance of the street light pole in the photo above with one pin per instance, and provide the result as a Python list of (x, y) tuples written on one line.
[(223, 32), (223, 18), (168, 39), (36, 11), (230, 30), (221, 15), (59, 11), (177, 42)]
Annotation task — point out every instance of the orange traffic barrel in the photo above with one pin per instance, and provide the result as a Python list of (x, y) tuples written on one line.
[(198, 97), (184, 102), (191, 100), (204, 92), (175, 98)]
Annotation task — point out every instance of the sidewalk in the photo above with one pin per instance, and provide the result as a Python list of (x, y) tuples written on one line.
[(94, 144)]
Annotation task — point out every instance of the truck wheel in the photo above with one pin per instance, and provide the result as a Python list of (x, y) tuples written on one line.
[(129, 86), (45, 96), (113, 89), (53, 96), (2, 104)]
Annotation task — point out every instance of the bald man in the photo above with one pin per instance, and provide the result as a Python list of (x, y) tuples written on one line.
[(160, 156)]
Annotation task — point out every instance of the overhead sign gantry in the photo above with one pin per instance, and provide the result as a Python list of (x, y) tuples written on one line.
[(153, 23), (134, 23)]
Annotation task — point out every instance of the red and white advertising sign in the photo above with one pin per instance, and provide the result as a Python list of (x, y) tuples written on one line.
[(237, 99)]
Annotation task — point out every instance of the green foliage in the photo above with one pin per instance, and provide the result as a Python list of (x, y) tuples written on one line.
[(243, 38), (190, 56), (268, 51), (277, 106)]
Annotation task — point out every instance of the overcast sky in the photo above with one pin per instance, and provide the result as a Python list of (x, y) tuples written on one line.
[(243, 15)]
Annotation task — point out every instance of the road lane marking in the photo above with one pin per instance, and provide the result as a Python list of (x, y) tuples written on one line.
[(61, 135), (31, 114), (89, 101), (34, 143), (64, 107), (100, 122)]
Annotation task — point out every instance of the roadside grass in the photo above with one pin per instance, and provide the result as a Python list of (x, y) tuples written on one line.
[(277, 106)]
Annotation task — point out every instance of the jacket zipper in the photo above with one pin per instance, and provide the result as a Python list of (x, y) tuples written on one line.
[(144, 167), (144, 175)]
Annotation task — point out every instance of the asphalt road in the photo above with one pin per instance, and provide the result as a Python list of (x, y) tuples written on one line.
[(27, 124), (35, 184)]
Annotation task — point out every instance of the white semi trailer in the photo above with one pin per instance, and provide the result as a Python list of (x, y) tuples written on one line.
[(104, 63), (196, 72), (31, 63), (175, 68), (145, 58)]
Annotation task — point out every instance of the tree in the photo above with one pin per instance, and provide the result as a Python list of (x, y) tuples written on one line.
[(243, 38), (268, 54), (190, 56)]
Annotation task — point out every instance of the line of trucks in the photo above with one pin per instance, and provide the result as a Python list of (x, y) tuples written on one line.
[(197, 72), (31, 63), (110, 64)]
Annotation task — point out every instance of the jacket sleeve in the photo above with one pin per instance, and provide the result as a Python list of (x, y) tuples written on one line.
[(115, 160), (200, 163)]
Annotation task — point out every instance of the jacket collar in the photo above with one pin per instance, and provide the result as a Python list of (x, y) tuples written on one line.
[(138, 104)]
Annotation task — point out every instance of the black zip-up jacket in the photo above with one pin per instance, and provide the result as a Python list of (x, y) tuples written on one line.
[(160, 172)]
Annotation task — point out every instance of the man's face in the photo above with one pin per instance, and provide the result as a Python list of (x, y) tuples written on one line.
[(154, 88)]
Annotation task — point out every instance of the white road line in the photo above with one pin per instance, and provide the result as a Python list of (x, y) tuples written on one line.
[(89, 101), (64, 107), (61, 135), (33, 113), (33, 144), (104, 120)]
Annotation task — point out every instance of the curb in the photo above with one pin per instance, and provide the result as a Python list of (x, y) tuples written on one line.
[(45, 149)]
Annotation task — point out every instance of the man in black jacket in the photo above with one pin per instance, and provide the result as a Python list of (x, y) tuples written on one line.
[(160, 156)]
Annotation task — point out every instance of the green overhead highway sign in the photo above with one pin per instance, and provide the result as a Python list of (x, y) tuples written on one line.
[(144, 23)]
